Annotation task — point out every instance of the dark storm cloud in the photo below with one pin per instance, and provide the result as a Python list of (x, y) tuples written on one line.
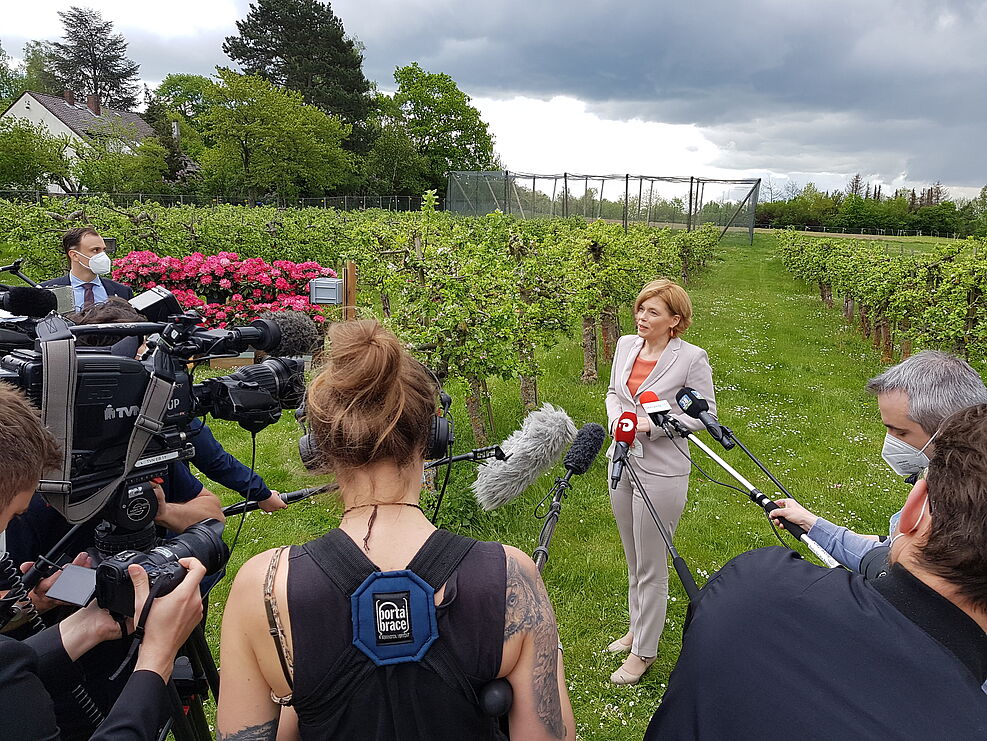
[(890, 85)]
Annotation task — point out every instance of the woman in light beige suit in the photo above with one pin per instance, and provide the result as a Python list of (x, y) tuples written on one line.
[(655, 359)]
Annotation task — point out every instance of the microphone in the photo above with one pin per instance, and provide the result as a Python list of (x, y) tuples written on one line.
[(623, 434), (584, 450), (532, 450), (657, 409), (695, 405), (24, 301), (299, 334)]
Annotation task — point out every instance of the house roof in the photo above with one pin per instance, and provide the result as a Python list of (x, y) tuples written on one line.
[(83, 122)]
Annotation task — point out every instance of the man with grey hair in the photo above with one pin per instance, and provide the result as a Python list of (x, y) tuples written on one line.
[(914, 397)]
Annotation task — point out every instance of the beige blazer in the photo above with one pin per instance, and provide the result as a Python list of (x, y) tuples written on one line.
[(680, 365)]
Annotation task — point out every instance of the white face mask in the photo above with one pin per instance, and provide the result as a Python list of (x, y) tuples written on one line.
[(905, 459), (99, 263)]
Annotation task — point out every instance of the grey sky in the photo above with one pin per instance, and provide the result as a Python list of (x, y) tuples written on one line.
[(893, 89)]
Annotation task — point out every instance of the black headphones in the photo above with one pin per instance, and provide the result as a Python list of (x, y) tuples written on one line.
[(441, 437)]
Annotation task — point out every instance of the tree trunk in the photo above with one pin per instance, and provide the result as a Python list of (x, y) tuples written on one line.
[(826, 294), (876, 334), (385, 302), (906, 344), (864, 322), (848, 308), (887, 352), (529, 383), (589, 351), (610, 331), (474, 405)]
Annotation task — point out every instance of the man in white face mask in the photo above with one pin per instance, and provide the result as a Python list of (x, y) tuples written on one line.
[(89, 264), (914, 397)]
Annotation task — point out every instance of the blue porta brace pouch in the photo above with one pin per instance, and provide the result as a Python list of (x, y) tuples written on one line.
[(394, 617)]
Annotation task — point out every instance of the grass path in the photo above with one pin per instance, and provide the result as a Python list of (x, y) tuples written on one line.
[(789, 379)]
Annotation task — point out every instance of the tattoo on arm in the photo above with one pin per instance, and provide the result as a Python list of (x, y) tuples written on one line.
[(264, 732), (528, 611)]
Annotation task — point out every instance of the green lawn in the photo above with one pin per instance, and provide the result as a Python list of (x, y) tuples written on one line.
[(789, 377)]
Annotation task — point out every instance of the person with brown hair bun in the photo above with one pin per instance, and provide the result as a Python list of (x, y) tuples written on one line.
[(292, 635), (656, 359)]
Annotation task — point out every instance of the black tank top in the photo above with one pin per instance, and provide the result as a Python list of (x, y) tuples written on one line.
[(399, 702)]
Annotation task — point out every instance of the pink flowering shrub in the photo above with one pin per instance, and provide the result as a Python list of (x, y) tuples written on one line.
[(223, 288)]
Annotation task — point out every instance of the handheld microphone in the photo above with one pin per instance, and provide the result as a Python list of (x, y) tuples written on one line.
[(532, 450), (695, 405), (623, 434), (24, 301)]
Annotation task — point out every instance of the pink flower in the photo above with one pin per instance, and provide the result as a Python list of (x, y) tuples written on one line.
[(225, 283)]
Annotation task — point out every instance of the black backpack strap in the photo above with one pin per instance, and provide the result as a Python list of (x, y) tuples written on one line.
[(341, 560), (440, 556)]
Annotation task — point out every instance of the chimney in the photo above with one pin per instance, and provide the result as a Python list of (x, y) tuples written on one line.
[(92, 102), (69, 97)]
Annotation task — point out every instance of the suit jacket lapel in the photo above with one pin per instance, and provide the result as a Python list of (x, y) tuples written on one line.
[(625, 373), (668, 357)]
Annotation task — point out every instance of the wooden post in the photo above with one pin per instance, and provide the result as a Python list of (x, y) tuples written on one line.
[(349, 291), (627, 194)]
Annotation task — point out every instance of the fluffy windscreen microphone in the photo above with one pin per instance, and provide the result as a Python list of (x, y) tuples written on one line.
[(24, 301), (532, 450), (584, 448), (299, 335)]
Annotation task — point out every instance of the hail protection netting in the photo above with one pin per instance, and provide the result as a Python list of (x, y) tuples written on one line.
[(682, 202)]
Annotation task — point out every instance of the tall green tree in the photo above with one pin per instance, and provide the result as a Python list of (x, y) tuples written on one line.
[(115, 162), (301, 45), (32, 158), (38, 67), (265, 139), (446, 129), (188, 95), (11, 80), (92, 60)]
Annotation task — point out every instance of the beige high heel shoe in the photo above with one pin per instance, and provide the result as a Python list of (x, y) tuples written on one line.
[(622, 645), (623, 675)]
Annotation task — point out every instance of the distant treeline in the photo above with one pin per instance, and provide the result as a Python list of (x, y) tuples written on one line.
[(861, 208)]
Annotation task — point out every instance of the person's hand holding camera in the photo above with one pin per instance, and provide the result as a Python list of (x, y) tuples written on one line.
[(171, 618), (39, 595)]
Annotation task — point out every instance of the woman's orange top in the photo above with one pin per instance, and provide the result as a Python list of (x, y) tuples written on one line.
[(639, 372)]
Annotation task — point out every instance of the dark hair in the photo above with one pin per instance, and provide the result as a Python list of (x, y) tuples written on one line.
[(112, 311), (27, 449), (956, 548), (371, 402), (72, 238)]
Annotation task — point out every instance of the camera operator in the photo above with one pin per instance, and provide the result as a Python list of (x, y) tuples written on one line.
[(30, 668), (777, 647), (914, 397), (85, 251)]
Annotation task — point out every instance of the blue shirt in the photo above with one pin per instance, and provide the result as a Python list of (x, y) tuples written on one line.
[(79, 291), (219, 466), (845, 545)]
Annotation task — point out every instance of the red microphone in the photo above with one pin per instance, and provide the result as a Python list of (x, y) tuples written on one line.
[(657, 409), (623, 434)]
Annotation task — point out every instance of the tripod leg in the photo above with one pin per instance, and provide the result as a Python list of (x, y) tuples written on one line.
[(179, 723), (203, 665)]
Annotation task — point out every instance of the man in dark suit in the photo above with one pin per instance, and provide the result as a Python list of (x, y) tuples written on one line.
[(29, 670), (85, 251)]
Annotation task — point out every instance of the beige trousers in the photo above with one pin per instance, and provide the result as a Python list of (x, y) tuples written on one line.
[(645, 551)]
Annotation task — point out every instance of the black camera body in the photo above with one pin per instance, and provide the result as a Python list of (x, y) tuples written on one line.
[(114, 588)]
